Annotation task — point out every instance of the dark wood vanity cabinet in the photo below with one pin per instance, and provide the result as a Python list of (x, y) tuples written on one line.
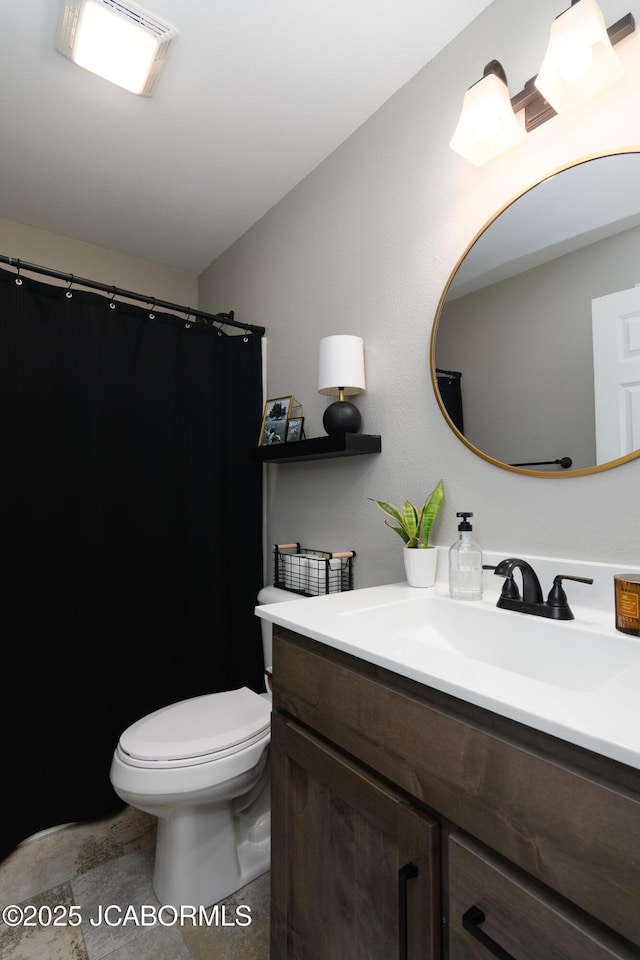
[(409, 824), (360, 863)]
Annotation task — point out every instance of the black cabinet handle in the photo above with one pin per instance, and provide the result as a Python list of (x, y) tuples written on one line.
[(406, 873), (471, 921)]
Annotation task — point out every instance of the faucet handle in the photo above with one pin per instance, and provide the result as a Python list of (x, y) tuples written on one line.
[(509, 587), (557, 597)]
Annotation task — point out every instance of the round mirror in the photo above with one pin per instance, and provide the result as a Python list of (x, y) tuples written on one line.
[(535, 350)]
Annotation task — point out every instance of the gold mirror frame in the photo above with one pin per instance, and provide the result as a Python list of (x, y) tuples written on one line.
[(585, 471)]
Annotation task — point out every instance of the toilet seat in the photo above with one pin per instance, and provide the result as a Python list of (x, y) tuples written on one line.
[(198, 730)]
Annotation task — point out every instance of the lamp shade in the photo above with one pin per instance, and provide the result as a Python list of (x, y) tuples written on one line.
[(487, 126), (580, 60), (341, 366)]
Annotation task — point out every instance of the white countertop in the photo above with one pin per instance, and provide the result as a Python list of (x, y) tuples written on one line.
[(600, 715)]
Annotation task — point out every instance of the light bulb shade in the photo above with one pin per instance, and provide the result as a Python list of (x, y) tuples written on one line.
[(341, 366), (487, 126), (116, 41), (580, 60)]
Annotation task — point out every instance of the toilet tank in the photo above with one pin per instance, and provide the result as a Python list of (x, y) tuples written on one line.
[(272, 595)]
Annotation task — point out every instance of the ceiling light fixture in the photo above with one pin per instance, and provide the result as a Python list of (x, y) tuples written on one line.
[(579, 62), (117, 41)]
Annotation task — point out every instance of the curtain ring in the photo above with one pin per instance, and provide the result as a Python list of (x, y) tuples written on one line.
[(187, 325), (69, 294), (246, 335), (152, 315), (112, 305), (18, 278)]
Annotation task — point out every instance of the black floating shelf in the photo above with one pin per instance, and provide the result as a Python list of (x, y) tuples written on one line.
[(320, 448)]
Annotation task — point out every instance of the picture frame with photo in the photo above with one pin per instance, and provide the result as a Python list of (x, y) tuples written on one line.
[(295, 429), (274, 420)]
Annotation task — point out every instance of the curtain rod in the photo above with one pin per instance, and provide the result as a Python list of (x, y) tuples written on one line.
[(227, 319)]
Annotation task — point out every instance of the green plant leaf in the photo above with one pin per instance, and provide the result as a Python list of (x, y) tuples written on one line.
[(400, 530), (411, 522), (410, 515), (390, 510), (430, 510)]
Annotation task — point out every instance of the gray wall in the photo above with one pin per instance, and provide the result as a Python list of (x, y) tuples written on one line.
[(95, 263), (364, 245)]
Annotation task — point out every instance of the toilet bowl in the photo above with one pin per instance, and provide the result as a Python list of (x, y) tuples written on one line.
[(201, 766)]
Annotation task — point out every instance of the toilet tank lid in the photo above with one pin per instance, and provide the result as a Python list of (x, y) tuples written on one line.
[(277, 595), (198, 727)]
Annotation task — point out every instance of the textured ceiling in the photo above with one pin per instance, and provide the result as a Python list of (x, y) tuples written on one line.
[(255, 94)]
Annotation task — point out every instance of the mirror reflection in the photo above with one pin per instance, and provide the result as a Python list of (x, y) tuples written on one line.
[(535, 352)]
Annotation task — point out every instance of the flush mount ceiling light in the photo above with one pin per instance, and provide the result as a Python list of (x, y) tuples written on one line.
[(580, 62), (117, 41), (487, 126)]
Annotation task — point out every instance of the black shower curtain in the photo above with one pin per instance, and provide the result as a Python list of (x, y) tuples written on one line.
[(130, 536), (449, 385)]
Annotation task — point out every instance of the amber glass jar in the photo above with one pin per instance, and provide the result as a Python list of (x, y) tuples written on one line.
[(627, 591)]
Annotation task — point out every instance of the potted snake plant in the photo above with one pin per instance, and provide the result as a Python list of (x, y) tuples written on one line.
[(414, 525)]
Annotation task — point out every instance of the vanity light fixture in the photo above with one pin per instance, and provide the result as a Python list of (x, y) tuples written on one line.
[(580, 60), (117, 41), (488, 125), (341, 373), (579, 63)]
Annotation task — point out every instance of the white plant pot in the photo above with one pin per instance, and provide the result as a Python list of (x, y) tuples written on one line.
[(420, 566)]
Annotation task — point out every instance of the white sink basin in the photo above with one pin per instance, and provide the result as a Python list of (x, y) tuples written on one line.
[(561, 653), (578, 679)]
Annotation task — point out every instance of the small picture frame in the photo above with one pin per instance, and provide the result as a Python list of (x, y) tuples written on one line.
[(295, 429), (274, 420)]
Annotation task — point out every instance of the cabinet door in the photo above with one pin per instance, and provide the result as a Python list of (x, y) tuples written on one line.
[(496, 910), (354, 865)]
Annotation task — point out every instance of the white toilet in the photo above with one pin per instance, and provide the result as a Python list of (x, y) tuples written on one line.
[(201, 766)]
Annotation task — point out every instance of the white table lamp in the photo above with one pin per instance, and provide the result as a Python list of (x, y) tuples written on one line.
[(341, 374)]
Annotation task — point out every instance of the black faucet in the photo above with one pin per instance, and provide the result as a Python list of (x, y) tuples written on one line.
[(556, 606)]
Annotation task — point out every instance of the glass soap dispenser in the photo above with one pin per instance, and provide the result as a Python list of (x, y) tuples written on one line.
[(465, 563)]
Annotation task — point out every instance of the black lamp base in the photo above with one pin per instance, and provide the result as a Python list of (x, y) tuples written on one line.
[(341, 417)]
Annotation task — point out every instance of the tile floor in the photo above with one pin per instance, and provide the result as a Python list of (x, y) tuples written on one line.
[(110, 862)]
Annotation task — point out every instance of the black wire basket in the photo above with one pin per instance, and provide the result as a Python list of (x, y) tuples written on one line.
[(311, 573)]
